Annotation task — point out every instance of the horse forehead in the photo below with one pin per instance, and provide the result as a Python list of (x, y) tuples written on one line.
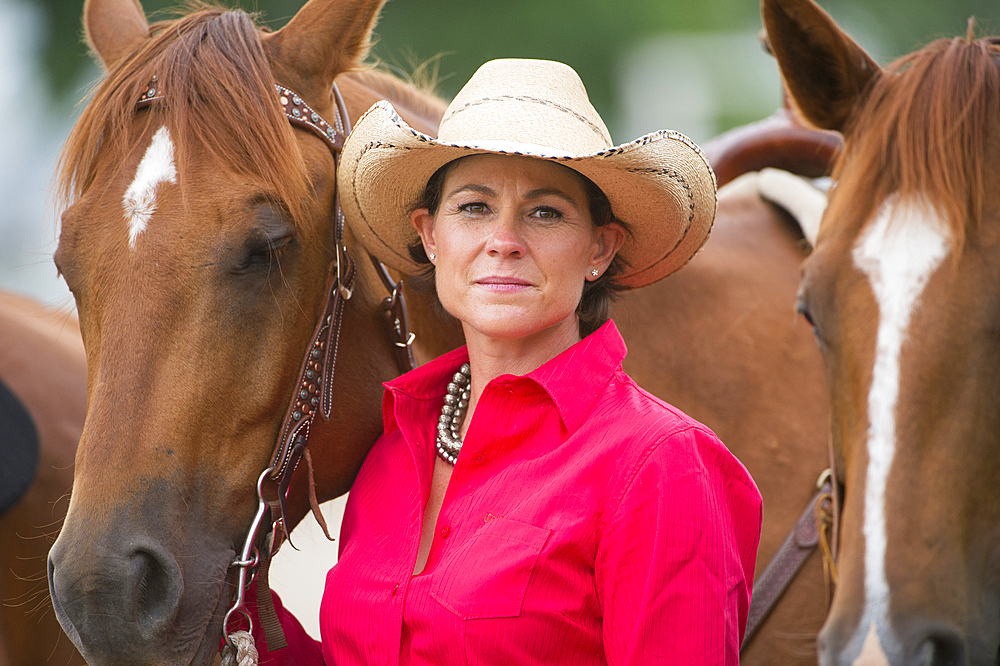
[(902, 245), (156, 169), (898, 252)]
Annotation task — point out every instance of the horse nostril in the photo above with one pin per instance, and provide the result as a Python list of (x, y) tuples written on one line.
[(158, 589), (941, 647)]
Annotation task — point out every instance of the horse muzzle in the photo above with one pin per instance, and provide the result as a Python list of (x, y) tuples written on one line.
[(123, 599)]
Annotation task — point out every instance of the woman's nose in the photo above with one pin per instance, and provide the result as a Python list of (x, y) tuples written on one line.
[(505, 239)]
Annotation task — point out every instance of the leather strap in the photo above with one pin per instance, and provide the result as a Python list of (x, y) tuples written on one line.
[(781, 570), (314, 388), (394, 311)]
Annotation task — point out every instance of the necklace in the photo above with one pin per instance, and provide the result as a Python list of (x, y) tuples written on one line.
[(449, 442)]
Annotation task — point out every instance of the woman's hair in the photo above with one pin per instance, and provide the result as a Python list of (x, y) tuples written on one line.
[(598, 295)]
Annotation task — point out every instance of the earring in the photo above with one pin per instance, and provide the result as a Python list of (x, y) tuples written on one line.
[(432, 256), (595, 272)]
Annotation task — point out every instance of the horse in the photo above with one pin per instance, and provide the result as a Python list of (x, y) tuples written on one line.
[(200, 243), (43, 401), (901, 292)]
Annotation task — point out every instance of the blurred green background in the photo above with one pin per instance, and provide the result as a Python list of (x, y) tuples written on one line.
[(690, 65)]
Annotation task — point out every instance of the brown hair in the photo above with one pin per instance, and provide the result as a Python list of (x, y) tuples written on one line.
[(598, 295), (922, 128), (214, 74)]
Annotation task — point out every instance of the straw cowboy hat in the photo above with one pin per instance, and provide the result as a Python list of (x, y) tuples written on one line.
[(660, 185)]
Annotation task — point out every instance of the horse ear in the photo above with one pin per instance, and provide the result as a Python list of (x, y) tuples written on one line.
[(324, 39), (114, 28), (824, 70)]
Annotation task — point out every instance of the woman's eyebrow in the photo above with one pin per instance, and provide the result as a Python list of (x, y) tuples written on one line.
[(478, 189), (551, 191)]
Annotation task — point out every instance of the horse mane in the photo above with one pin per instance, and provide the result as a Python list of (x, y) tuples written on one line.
[(219, 97), (922, 129), (418, 97)]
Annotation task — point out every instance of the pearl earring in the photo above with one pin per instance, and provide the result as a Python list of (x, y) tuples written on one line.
[(594, 272)]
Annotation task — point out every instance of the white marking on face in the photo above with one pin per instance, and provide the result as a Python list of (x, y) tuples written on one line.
[(898, 253), (871, 651), (157, 166)]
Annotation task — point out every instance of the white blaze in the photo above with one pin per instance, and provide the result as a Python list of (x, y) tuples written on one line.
[(157, 166), (898, 253)]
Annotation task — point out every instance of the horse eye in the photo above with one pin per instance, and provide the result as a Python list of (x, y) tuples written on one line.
[(260, 252), (803, 310)]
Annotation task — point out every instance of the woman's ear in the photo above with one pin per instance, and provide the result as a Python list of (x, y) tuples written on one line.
[(609, 239), (423, 222)]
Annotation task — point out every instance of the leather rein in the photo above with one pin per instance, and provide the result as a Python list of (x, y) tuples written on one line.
[(313, 393)]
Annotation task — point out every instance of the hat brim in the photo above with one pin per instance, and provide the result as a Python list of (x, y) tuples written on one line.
[(660, 185)]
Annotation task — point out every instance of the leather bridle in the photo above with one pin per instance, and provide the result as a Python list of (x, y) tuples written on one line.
[(314, 387)]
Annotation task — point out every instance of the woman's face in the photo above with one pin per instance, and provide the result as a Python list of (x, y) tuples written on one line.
[(513, 243)]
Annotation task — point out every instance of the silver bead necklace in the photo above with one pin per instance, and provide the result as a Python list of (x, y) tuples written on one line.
[(449, 442)]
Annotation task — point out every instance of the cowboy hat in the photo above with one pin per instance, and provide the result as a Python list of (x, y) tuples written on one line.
[(660, 185)]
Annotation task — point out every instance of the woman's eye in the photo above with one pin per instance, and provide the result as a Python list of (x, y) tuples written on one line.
[(475, 207), (547, 213)]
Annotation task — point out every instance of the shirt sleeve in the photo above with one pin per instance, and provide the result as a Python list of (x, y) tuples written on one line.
[(675, 565), (302, 649)]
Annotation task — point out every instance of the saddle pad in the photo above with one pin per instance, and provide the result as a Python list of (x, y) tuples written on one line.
[(18, 449)]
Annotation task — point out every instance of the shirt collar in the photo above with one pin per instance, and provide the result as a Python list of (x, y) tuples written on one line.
[(572, 380)]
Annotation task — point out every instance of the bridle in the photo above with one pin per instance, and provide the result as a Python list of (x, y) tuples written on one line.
[(313, 390), (313, 393)]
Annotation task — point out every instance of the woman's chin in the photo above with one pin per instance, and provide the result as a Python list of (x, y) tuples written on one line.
[(516, 324)]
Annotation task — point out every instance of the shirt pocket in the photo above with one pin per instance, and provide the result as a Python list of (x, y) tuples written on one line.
[(488, 575)]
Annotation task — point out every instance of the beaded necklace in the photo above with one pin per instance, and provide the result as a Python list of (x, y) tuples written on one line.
[(449, 442)]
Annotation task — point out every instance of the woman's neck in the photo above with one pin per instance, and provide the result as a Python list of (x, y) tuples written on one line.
[(491, 357)]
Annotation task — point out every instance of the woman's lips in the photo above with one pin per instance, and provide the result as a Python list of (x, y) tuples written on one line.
[(502, 283)]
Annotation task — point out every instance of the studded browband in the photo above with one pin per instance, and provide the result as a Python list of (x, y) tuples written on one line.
[(314, 387)]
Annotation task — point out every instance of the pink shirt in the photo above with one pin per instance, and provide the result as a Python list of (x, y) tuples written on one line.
[(586, 522)]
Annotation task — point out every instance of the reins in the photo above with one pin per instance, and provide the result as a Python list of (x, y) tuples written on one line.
[(313, 395), (817, 527)]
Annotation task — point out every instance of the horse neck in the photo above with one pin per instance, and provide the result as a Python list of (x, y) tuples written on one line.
[(421, 109)]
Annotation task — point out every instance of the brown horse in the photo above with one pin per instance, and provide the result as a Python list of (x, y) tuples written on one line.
[(902, 291), (196, 244), (43, 401)]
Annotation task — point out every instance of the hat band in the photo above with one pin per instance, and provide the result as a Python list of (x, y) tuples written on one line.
[(530, 100), (517, 148)]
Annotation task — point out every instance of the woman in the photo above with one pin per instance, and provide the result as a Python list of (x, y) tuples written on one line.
[(527, 502)]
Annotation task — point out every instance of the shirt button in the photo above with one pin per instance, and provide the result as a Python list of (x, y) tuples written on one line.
[(445, 531)]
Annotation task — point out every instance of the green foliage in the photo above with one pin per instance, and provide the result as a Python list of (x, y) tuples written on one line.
[(590, 35)]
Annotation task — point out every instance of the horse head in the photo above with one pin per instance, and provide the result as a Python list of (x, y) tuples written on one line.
[(901, 290), (197, 242)]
